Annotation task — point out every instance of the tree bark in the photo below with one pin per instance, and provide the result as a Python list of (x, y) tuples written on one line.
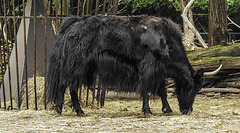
[(212, 57), (217, 22)]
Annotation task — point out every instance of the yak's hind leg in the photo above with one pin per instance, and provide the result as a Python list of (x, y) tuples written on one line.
[(59, 99), (75, 101), (146, 109), (163, 94)]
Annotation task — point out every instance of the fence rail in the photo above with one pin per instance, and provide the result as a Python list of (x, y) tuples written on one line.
[(28, 28)]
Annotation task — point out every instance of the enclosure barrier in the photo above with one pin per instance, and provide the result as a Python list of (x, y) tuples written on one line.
[(28, 29)]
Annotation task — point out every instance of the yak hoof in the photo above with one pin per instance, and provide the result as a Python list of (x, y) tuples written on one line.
[(80, 113), (58, 110), (185, 112), (147, 111), (167, 110)]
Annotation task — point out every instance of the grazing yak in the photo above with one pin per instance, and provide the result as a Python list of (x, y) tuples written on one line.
[(129, 53)]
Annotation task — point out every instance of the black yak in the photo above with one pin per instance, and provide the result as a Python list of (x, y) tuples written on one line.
[(134, 53)]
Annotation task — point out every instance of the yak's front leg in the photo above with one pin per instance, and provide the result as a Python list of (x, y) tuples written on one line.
[(75, 101), (146, 109), (163, 94)]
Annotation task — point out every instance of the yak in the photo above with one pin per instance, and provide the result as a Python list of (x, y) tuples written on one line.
[(129, 53)]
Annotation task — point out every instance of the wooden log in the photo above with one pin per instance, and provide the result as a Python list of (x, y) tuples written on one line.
[(209, 59), (208, 90), (212, 57)]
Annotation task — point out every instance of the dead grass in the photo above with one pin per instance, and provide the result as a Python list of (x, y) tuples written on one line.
[(218, 113), (210, 115), (40, 95)]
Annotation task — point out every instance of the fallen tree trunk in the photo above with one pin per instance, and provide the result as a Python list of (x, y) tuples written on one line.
[(211, 58), (216, 90)]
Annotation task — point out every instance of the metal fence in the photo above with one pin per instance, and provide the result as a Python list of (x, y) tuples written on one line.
[(28, 29)]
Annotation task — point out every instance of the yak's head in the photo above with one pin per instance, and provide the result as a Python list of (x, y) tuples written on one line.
[(188, 87)]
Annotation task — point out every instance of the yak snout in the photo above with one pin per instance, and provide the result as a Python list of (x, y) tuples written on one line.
[(186, 111)]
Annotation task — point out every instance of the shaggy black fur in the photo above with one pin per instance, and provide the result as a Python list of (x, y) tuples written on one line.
[(128, 53)]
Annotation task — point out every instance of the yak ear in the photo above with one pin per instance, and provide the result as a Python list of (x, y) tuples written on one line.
[(199, 72)]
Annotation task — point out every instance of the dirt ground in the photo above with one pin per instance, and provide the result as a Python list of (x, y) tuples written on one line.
[(211, 113)]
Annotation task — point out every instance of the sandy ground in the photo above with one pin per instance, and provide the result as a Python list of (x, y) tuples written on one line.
[(217, 113)]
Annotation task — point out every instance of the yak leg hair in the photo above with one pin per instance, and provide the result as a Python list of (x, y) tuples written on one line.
[(163, 94), (75, 101), (59, 99), (146, 109)]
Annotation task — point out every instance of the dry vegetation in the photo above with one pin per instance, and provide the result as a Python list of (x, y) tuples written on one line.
[(212, 113)]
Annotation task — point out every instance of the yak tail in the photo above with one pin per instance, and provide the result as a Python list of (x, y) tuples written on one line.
[(52, 80), (55, 83)]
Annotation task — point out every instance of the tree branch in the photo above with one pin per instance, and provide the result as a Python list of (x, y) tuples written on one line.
[(233, 22), (189, 24)]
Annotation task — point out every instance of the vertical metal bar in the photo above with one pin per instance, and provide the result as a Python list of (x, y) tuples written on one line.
[(51, 7), (90, 6), (87, 10), (45, 54), (2, 75), (98, 91), (56, 6), (10, 86), (78, 7), (97, 7), (34, 54), (19, 13), (61, 7), (10, 36), (83, 7), (25, 53), (230, 37), (104, 7), (93, 90), (80, 92), (4, 55), (115, 7), (72, 2), (68, 2), (15, 36), (0, 6), (4, 50), (103, 97), (9, 6), (1, 55), (109, 6), (87, 94)]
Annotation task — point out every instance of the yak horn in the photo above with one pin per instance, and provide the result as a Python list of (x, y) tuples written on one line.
[(206, 74)]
